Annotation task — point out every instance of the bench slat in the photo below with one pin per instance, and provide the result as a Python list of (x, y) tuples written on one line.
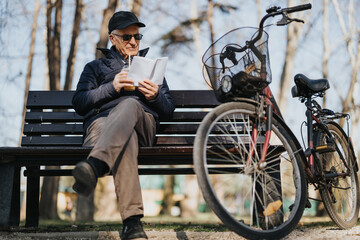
[(69, 156), (62, 99), (142, 171), (77, 141), (77, 129), (60, 117), (169, 140), (47, 129), (38, 117), (51, 141)]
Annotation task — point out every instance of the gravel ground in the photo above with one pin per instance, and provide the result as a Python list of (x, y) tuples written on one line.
[(158, 229), (298, 233)]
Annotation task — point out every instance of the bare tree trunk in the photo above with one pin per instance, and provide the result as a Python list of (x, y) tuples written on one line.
[(293, 34), (108, 12), (48, 200), (320, 209), (73, 47), (258, 4), (136, 7), (53, 42), (31, 57), (350, 36), (209, 16), (57, 46), (168, 201), (85, 208), (210, 11), (49, 190), (189, 205), (50, 42), (327, 51), (85, 205), (287, 72), (196, 30)]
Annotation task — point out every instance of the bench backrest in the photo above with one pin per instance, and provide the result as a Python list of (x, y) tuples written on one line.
[(51, 120)]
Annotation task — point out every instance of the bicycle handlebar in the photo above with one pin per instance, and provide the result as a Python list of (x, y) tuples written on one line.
[(298, 8), (230, 50), (276, 12)]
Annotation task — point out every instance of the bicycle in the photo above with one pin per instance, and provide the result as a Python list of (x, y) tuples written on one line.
[(252, 170)]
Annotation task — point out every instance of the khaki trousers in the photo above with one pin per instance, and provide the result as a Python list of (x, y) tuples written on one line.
[(116, 140)]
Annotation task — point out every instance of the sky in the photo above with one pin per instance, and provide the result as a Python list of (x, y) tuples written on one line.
[(184, 70)]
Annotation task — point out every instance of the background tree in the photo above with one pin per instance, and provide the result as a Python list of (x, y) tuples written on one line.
[(73, 47), (103, 40), (105, 205), (351, 38), (186, 35), (136, 7), (294, 32), (327, 49), (49, 190), (53, 42), (320, 209), (30, 62)]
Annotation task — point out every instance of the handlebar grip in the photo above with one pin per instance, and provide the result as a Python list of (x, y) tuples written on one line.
[(298, 8)]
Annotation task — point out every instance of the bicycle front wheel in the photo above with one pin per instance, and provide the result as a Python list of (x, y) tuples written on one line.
[(257, 200), (340, 191)]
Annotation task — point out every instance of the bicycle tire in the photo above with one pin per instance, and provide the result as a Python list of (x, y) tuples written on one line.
[(340, 195), (220, 150)]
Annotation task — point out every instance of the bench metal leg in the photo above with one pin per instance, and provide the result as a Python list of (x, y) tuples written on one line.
[(32, 197), (14, 219), (9, 190)]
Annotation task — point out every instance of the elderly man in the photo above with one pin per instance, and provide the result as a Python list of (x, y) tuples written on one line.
[(118, 118)]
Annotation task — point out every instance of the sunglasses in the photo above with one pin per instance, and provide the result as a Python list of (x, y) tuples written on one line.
[(128, 37)]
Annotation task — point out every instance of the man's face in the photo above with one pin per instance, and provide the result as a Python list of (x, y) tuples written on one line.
[(125, 47)]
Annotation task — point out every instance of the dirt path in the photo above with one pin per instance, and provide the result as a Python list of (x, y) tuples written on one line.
[(324, 233), (298, 233)]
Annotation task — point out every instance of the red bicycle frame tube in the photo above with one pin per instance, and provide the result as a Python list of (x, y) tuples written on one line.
[(271, 106), (254, 136), (268, 125)]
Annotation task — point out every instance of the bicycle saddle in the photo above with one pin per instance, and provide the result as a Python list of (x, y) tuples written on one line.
[(306, 87)]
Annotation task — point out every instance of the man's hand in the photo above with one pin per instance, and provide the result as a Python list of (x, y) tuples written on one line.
[(121, 81), (149, 89)]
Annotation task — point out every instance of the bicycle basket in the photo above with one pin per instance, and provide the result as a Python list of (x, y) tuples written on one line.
[(250, 75)]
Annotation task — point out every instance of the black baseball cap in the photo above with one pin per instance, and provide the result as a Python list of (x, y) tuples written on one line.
[(123, 19)]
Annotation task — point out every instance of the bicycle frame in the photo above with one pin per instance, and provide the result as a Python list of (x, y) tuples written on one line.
[(270, 102), (311, 151)]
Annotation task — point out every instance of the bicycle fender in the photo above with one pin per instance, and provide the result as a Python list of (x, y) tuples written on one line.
[(246, 100)]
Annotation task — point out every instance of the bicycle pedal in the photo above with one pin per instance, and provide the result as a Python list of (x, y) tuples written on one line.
[(325, 148), (272, 208), (308, 204)]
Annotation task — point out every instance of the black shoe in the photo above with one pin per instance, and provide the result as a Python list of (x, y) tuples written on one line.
[(133, 231), (85, 178)]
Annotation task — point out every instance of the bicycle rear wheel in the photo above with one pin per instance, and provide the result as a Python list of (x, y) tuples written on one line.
[(340, 192), (257, 201)]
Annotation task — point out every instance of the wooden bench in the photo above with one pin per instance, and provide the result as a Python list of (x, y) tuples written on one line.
[(52, 136)]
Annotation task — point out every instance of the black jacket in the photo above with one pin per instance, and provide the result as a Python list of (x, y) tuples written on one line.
[(96, 96)]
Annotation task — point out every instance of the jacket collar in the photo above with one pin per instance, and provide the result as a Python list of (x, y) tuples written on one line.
[(113, 53)]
